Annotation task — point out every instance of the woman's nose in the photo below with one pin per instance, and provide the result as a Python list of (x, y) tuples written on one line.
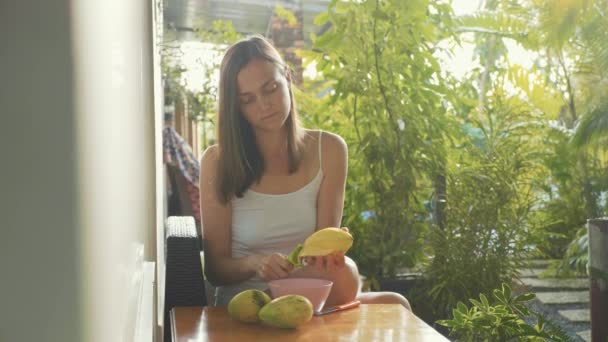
[(265, 102)]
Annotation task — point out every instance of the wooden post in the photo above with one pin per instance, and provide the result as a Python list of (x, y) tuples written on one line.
[(196, 146), (598, 274), (178, 118), (188, 133)]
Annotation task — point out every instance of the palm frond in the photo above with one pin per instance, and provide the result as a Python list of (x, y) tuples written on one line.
[(512, 25), (558, 19), (593, 126), (595, 35)]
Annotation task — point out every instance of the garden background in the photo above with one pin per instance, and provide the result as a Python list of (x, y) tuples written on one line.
[(458, 176)]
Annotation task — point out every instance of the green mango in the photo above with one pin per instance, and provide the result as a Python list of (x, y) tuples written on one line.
[(246, 305), (287, 311)]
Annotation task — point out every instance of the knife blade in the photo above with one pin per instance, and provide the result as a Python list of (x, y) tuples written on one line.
[(346, 306)]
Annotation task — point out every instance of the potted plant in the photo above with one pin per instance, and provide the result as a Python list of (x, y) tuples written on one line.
[(505, 317)]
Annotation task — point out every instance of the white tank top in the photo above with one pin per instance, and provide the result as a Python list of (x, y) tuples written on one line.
[(266, 224)]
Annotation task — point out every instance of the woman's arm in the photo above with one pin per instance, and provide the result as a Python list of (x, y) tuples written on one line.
[(334, 163), (330, 204), (221, 268)]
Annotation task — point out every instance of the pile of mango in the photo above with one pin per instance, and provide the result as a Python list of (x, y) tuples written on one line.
[(287, 311)]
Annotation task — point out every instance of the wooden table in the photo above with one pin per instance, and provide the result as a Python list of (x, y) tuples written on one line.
[(369, 322)]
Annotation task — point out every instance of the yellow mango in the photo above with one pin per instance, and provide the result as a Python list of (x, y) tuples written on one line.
[(326, 241)]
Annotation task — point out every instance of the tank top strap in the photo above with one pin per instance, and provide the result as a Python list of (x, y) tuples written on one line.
[(320, 156)]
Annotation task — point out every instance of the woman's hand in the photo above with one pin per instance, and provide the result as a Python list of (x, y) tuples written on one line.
[(327, 263), (273, 266)]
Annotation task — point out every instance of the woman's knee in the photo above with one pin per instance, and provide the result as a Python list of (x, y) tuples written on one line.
[(401, 300), (384, 298), (396, 298)]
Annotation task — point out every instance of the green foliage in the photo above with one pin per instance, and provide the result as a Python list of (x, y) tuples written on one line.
[(491, 193), (593, 126), (583, 31), (501, 137), (567, 85), (510, 22), (563, 210), (171, 70), (201, 104), (504, 319), (591, 74), (221, 33), (388, 102), (286, 15), (576, 258)]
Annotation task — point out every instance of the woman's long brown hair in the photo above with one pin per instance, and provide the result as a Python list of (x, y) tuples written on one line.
[(240, 160)]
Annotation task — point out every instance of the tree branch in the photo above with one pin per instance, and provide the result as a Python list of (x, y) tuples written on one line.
[(380, 85), (571, 103)]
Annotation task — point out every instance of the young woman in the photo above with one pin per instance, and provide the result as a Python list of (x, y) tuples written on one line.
[(269, 183)]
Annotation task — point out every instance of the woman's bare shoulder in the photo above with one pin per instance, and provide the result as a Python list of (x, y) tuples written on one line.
[(210, 158), (328, 139), (333, 144)]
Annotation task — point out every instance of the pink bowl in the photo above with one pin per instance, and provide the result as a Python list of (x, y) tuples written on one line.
[(316, 290)]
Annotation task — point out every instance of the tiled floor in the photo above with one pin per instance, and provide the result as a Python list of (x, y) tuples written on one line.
[(563, 297)]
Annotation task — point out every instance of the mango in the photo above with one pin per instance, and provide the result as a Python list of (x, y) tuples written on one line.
[(246, 305), (326, 241), (287, 311), (294, 256)]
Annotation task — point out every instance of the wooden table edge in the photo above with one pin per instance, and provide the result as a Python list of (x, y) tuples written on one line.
[(174, 330)]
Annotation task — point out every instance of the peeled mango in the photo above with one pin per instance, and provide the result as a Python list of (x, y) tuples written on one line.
[(246, 305), (287, 311), (326, 241)]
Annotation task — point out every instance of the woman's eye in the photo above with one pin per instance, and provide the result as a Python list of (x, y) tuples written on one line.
[(272, 87), (247, 100)]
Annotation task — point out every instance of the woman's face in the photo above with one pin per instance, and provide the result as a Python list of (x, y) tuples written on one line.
[(263, 92)]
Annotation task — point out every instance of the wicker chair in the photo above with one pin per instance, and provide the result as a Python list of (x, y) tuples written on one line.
[(184, 285)]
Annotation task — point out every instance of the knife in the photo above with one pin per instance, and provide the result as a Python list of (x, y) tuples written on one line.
[(346, 306)]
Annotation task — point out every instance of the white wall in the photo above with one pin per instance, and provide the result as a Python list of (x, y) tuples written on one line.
[(77, 174), (39, 268), (161, 176)]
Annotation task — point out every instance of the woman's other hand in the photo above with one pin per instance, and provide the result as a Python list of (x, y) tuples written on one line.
[(273, 266), (327, 263)]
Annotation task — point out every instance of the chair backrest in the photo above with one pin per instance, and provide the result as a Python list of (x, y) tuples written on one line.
[(184, 284), (179, 192)]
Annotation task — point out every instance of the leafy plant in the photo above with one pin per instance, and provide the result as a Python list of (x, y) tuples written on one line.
[(504, 319), (568, 85), (388, 100), (586, 80), (491, 192), (575, 260), (500, 138)]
